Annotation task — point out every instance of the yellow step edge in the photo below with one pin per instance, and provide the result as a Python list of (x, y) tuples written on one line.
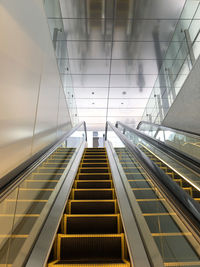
[(26, 200), (95, 189), (92, 215), (14, 236), (90, 173), (46, 168), (144, 189), (52, 163), (142, 173), (92, 200), (159, 214), (106, 160), (19, 215), (94, 173), (83, 181), (54, 264), (36, 189), (180, 263), (46, 173), (92, 168), (149, 199), (172, 234), (37, 180), (139, 180), (100, 163), (89, 235)]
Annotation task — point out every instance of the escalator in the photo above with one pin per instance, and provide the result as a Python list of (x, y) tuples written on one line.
[(174, 241), (28, 202), (175, 232), (91, 232), (180, 165), (99, 207), (186, 185)]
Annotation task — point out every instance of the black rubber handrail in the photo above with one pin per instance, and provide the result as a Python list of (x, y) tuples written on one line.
[(186, 205), (189, 161), (11, 180), (195, 135)]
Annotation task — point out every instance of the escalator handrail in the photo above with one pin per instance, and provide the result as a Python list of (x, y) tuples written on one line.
[(160, 127), (188, 207), (187, 160), (16, 177)]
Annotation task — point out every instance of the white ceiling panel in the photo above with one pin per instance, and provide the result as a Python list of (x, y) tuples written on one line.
[(153, 9), (110, 53), (94, 119), (139, 80), (130, 92), (125, 112), (90, 103), (78, 8), (88, 29), (138, 50), (89, 66), (135, 66), (88, 50), (144, 30), (127, 103), (92, 112), (90, 80), (91, 93)]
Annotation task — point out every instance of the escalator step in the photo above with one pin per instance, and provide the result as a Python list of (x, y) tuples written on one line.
[(59, 161), (95, 149), (50, 170), (94, 165), (108, 263), (92, 207), (94, 160), (76, 224), (90, 248), (93, 194), (91, 176), (93, 184), (55, 165), (94, 170), (89, 156)]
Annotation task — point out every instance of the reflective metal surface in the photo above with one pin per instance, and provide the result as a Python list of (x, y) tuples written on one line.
[(115, 50), (31, 99)]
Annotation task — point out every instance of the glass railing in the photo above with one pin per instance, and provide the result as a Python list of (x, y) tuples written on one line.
[(184, 142), (58, 35), (173, 167), (24, 209), (183, 51), (175, 242)]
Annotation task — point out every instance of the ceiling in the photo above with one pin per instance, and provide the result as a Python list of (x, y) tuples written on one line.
[(115, 49)]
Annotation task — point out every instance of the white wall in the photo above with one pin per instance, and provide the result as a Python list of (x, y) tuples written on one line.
[(184, 113), (33, 111)]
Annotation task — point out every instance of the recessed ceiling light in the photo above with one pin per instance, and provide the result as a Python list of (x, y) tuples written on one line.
[(92, 93), (124, 93)]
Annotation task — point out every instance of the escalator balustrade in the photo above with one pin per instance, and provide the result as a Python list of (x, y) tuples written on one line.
[(185, 185), (21, 209), (177, 245), (91, 232)]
